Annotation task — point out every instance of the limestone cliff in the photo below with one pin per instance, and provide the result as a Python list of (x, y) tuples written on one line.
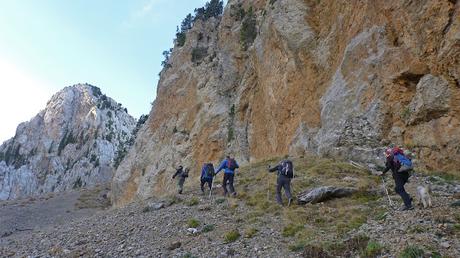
[(72, 143), (336, 78)]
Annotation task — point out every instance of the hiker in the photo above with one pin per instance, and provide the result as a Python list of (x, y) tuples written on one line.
[(285, 172), (207, 174), (229, 165), (395, 162), (181, 175)]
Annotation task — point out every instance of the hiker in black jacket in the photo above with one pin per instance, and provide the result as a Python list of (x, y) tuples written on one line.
[(285, 173), (181, 175), (401, 178)]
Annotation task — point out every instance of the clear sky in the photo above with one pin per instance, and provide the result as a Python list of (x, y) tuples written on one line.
[(116, 45)]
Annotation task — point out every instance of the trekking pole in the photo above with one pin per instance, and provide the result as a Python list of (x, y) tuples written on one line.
[(268, 189), (210, 191), (386, 192)]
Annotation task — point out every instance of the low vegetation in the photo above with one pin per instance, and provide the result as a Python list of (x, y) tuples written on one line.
[(231, 236), (412, 252), (208, 228), (194, 201), (250, 232), (248, 31), (302, 224), (373, 249), (193, 223)]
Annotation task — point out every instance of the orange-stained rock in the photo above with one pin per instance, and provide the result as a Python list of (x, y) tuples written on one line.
[(337, 78)]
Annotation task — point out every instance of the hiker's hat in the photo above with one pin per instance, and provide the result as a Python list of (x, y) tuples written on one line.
[(388, 152)]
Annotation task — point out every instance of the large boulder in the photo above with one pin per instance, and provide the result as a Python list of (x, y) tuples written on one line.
[(431, 99), (323, 193)]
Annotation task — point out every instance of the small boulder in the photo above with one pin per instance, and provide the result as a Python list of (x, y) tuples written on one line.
[(153, 206), (323, 193), (192, 231), (174, 245)]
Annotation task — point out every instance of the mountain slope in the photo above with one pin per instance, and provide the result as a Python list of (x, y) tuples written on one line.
[(334, 78), (70, 144)]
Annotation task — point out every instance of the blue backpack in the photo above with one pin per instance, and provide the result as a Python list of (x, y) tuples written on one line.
[(406, 163), (209, 170)]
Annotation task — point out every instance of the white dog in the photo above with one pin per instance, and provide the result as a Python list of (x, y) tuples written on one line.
[(423, 195)]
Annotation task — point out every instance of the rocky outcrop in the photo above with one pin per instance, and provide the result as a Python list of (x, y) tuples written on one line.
[(72, 143), (333, 78)]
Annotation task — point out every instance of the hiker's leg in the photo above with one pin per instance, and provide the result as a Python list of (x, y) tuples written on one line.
[(287, 188), (181, 184), (399, 189), (210, 183), (224, 184), (202, 185), (230, 181), (279, 184)]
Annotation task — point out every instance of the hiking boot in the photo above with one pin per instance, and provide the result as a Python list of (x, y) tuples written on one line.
[(234, 194), (406, 208)]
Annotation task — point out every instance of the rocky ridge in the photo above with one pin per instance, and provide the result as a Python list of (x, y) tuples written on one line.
[(333, 78), (72, 143)]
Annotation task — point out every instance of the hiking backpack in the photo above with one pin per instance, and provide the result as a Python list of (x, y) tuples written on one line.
[(209, 171), (404, 161), (287, 169), (231, 164)]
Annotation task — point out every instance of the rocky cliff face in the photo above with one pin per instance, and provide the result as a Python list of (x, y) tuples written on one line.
[(337, 78), (72, 143)]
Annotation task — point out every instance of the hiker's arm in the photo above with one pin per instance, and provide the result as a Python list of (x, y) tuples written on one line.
[(236, 165), (387, 166), (273, 169), (222, 165), (175, 174), (203, 170)]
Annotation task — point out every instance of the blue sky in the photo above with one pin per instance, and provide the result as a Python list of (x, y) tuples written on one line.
[(116, 45)]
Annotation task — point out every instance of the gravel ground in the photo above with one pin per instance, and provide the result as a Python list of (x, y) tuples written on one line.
[(57, 228)]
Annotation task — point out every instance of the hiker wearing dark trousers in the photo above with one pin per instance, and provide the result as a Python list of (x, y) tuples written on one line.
[(283, 180), (181, 176), (229, 165), (207, 174), (401, 178)]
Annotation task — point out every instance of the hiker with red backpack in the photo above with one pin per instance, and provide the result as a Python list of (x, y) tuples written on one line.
[(229, 165), (285, 171), (207, 175), (400, 166)]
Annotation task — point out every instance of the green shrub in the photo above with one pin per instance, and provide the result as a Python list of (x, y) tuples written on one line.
[(220, 200), (231, 236), (405, 113), (373, 249), (248, 31), (250, 232), (78, 183), (208, 228), (194, 201), (188, 255), (297, 247), (412, 252), (198, 53), (193, 223), (180, 39), (291, 230)]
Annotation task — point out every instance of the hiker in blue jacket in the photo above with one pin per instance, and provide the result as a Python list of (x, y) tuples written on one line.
[(229, 165), (400, 177), (207, 174)]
